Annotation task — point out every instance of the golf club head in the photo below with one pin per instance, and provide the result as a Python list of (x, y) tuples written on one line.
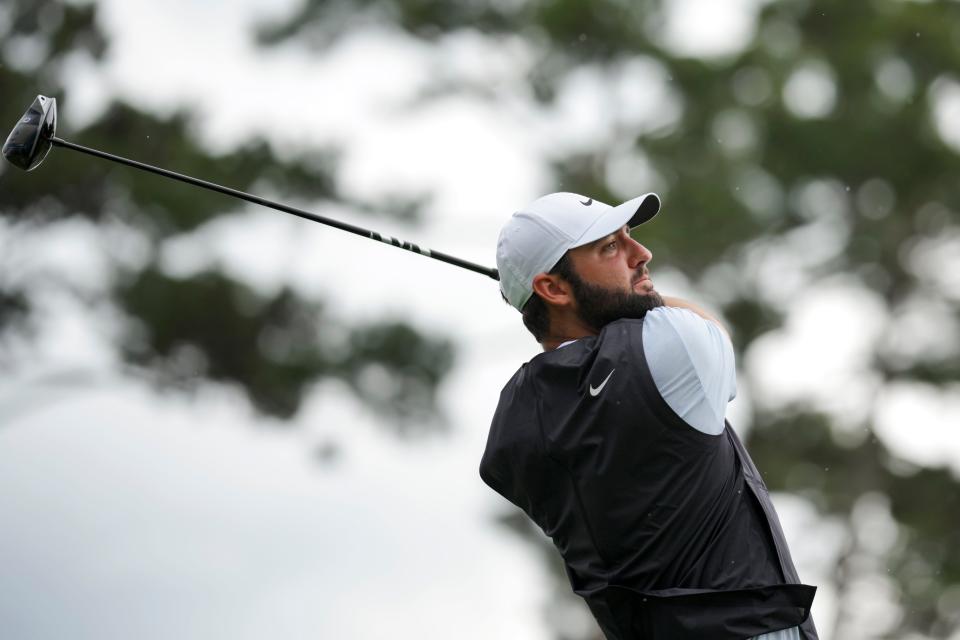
[(29, 142)]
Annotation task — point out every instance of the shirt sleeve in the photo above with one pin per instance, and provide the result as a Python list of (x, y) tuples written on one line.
[(692, 363)]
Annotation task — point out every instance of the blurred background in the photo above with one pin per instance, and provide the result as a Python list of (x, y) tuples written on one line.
[(217, 420)]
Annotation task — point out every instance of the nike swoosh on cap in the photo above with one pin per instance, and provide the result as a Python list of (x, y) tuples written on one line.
[(587, 203)]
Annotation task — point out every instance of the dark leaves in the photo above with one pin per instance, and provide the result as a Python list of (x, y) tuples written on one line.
[(184, 332)]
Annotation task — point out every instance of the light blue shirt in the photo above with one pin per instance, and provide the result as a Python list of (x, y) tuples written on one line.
[(692, 363)]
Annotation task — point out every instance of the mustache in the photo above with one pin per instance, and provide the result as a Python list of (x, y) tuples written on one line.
[(639, 274)]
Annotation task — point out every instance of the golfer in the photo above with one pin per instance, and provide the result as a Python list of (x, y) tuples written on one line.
[(614, 440)]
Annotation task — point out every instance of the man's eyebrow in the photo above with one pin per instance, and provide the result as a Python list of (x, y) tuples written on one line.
[(610, 236)]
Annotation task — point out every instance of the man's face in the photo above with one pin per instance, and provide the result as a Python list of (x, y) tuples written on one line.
[(610, 280)]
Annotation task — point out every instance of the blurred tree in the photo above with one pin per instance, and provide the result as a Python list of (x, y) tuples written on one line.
[(824, 144), (181, 332), (823, 148)]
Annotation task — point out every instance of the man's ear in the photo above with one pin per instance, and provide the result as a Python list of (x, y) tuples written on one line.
[(553, 289)]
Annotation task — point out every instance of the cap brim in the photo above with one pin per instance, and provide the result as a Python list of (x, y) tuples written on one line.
[(632, 213), (641, 209)]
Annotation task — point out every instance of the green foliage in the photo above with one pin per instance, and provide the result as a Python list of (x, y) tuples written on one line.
[(210, 327), (867, 162), (751, 319), (322, 23), (880, 175), (414, 367), (802, 456), (65, 27), (164, 207), (14, 310)]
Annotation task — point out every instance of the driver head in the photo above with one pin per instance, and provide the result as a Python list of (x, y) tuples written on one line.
[(29, 142)]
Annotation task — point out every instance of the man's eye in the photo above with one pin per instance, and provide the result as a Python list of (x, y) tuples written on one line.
[(611, 245)]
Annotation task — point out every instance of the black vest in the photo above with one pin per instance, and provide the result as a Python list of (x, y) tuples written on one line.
[(666, 531)]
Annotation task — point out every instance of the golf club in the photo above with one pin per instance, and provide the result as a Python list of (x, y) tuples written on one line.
[(30, 141)]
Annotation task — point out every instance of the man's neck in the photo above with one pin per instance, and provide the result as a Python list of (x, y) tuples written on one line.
[(565, 333)]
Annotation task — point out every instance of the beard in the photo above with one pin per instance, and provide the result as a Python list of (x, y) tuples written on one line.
[(598, 306)]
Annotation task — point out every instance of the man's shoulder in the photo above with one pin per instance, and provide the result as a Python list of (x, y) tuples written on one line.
[(514, 431), (517, 395), (679, 317), (696, 334)]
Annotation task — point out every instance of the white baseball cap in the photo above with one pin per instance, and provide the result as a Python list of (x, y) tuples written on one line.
[(535, 238)]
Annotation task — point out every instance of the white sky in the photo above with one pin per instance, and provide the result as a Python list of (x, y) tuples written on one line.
[(129, 515)]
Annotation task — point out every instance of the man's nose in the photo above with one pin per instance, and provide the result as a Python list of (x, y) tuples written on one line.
[(639, 254)]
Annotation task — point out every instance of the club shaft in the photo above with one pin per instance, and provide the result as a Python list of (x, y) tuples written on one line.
[(344, 226)]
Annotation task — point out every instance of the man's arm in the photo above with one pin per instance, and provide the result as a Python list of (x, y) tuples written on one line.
[(670, 301), (692, 362)]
